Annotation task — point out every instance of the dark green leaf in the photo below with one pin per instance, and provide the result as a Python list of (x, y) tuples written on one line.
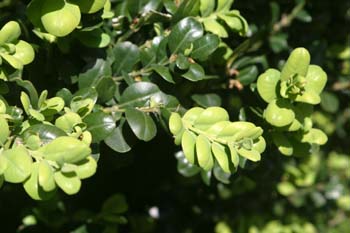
[(248, 75), (106, 88), (195, 73), (138, 94), (207, 100), (126, 56), (94, 72), (100, 125), (183, 34), (141, 124), (187, 8), (164, 72), (116, 141), (205, 46)]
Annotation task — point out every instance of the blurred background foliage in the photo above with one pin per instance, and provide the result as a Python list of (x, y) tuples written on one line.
[(142, 191)]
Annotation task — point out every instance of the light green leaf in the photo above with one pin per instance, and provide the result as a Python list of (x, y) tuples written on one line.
[(32, 188), (9, 32), (89, 6), (60, 17), (175, 123), (13, 61), (207, 7), (211, 25), (65, 149), (19, 164), (210, 116), (68, 182), (188, 145), (267, 85), (45, 175), (279, 113), (297, 63), (86, 168), (203, 151), (252, 155), (221, 156), (24, 52), (315, 136), (192, 114), (234, 156), (224, 5), (316, 79), (5, 131)]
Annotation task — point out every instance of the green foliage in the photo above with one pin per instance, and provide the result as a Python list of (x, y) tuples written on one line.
[(85, 84)]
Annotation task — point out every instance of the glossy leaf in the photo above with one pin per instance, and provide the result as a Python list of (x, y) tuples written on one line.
[(183, 34), (194, 73), (126, 56), (163, 72), (205, 46), (141, 124), (100, 125), (116, 141)]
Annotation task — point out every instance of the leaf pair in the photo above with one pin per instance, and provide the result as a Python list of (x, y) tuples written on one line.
[(207, 134)]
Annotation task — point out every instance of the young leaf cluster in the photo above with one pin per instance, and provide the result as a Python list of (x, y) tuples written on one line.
[(290, 95), (208, 137)]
